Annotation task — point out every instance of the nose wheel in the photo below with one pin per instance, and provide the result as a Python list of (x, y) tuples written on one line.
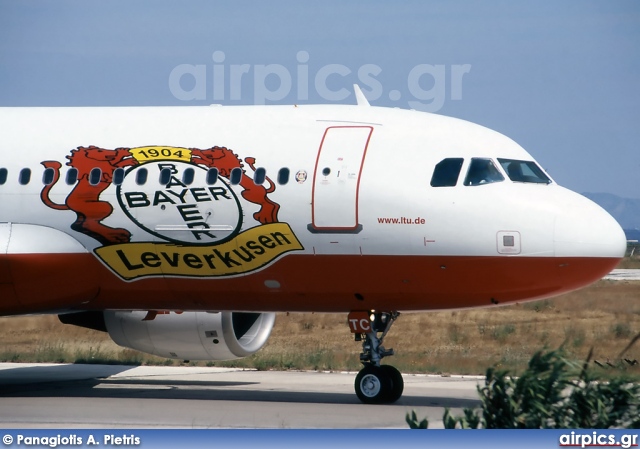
[(379, 384), (375, 383)]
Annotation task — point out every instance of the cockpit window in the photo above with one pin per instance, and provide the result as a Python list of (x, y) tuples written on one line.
[(524, 171), (446, 172), (482, 171)]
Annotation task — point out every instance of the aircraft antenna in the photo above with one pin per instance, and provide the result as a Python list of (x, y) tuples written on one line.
[(361, 100)]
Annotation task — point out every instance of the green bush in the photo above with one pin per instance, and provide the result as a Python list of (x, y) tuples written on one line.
[(553, 393), (412, 420)]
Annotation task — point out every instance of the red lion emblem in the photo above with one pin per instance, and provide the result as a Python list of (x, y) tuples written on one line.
[(85, 201), (225, 161)]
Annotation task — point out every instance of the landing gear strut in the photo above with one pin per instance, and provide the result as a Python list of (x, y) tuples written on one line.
[(375, 383)]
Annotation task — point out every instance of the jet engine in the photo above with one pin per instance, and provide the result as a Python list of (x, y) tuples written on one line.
[(184, 336)]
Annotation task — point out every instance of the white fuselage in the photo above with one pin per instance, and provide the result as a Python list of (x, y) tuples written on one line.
[(357, 225)]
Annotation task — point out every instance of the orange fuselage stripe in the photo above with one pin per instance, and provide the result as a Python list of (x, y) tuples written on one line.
[(321, 283)]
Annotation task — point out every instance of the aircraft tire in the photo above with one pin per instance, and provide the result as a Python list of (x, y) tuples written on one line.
[(373, 385), (397, 383)]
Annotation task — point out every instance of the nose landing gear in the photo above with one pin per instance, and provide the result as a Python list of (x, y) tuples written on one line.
[(375, 383)]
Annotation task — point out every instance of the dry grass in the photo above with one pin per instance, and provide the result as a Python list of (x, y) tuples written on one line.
[(604, 316), (632, 259), (630, 263)]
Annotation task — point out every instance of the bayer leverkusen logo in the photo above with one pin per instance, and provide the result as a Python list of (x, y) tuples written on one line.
[(198, 226), (192, 214)]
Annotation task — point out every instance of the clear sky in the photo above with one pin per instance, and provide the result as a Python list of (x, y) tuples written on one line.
[(560, 78)]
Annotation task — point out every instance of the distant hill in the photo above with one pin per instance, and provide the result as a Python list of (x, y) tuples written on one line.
[(625, 210), (632, 234)]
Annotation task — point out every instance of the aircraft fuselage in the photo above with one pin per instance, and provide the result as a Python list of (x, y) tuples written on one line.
[(282, 208)]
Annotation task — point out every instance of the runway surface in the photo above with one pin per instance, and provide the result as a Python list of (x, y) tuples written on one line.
[(103, 396), (624, 275)]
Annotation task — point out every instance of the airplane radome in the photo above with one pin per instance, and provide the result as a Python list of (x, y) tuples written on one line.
[(180, 231)]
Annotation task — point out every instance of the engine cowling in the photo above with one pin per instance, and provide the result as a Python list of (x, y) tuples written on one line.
[(191, 335)]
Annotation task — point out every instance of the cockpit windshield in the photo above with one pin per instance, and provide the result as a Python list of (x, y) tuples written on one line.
[(482, 171), (524, 171)]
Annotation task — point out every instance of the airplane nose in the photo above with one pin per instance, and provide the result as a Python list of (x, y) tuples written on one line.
[(584, 229)]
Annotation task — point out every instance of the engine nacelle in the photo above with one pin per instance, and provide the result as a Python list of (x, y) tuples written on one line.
[(191, 335)]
